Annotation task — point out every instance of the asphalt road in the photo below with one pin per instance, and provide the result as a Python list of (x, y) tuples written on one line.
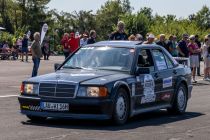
[(193, 125)]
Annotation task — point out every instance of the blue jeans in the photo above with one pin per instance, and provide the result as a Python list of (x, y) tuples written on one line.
[(36, 62)]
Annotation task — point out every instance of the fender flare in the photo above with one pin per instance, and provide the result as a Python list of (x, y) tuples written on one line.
[(177, 83)]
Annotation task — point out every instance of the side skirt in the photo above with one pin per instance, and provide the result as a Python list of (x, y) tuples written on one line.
[(149, 109)]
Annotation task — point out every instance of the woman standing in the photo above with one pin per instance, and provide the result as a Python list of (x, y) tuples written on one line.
[(36, 53), (194, 56), (206, 56)]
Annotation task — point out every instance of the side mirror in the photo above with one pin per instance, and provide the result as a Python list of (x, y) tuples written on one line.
[(142, 70), (56, 66)]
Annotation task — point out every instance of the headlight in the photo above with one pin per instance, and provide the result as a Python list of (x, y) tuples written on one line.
[(92, 92), (30, 89)]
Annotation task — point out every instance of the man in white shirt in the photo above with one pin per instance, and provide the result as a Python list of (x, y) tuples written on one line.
[(83, 40)]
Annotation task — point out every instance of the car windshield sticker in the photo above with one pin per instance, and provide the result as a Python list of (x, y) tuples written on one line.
[(161, 65), (167, 82), (149, 87)]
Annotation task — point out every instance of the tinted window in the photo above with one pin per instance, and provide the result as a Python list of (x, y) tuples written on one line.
[(159, 59)]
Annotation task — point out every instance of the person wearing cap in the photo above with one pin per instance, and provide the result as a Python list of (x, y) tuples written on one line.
[(182, 46), (206, 57), (150, 39), (120, 33), (162, 42), (194, 51), (83, 40)]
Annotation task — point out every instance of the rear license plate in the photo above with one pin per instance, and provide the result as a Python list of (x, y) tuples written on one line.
[(54, 106)]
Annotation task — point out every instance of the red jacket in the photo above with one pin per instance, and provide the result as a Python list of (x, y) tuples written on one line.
[(74, 44), (64, 42)]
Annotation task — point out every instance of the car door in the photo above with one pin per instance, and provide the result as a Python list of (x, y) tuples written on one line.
[(164, 76), (146, 86)]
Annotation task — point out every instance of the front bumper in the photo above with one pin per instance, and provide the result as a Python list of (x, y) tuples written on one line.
[(99, 109)]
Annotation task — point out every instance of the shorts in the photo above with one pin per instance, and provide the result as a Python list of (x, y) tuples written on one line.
[(194, 61), (24, 50), (207, 62)]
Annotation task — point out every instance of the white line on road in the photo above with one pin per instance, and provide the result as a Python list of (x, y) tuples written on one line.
[(7, 96)]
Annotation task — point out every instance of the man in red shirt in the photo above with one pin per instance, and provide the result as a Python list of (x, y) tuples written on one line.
[(73, 43)]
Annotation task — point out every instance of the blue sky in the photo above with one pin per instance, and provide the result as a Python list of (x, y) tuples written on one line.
[(180, 8)]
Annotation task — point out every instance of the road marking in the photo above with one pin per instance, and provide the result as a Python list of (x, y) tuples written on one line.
[(8, 96)]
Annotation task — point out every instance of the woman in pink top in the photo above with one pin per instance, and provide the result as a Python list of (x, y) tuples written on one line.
[(194, 51)]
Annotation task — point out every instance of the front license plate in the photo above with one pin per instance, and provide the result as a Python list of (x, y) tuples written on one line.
[(54, 106)]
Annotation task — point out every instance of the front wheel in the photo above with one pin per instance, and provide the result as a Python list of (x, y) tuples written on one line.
[(121, 107), (36, 118), (180, 102)]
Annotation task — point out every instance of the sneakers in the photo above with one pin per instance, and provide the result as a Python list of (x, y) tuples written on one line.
[(194, 81), (206, 79)]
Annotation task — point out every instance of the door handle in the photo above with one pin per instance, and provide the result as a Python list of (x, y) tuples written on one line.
[(156, 75), (175, 72)]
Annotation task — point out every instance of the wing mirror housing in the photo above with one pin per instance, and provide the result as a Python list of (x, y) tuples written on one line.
[(56, 66)]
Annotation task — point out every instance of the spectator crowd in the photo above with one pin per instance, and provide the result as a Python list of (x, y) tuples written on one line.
[(188, 47)]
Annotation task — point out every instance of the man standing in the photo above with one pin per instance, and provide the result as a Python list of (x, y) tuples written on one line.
[(24, 47), (73, 43), (120, 33), (92, 38), (150, 39), (182, 47), (162, 42), (83, 40), (36, 53), (199, 45)]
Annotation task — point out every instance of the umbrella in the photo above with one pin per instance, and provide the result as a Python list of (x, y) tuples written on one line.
[(1, 28)]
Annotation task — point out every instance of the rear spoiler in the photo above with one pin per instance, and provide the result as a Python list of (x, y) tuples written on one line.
[(183, 61)]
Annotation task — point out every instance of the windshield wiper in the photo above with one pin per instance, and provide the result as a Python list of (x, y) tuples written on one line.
[(72, 67)]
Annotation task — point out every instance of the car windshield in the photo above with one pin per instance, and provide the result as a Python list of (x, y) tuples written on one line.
[(104, 58)]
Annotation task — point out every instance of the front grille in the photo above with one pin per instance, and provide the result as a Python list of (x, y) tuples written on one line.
[(57, 90)]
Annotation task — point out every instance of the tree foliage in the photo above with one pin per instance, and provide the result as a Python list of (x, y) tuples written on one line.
[(20, 16)]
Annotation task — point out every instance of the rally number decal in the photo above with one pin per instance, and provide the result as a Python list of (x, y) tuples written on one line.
[(149, 87)]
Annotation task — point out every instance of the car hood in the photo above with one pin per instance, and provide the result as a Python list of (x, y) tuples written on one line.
[(80, 76)]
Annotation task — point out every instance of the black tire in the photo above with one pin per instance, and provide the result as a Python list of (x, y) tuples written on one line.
[(121, 107), (180, 101), (36, 118)]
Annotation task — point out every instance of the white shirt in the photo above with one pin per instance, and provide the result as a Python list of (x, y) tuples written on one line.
[(83, 42)]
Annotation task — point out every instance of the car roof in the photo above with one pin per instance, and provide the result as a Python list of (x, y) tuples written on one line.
[(126, 44)]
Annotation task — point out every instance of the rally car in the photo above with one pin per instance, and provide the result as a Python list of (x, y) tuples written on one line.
[(109, 80)]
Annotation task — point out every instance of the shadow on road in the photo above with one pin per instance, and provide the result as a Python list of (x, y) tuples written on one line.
[(148, 119)]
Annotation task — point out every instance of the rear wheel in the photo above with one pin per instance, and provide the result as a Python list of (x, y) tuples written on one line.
[(121, 107), (36, 118), (180, 102)]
